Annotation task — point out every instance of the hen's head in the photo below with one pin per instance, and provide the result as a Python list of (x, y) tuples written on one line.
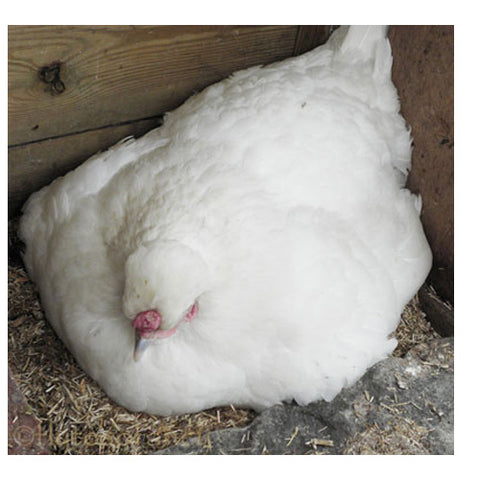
[(163, 283)]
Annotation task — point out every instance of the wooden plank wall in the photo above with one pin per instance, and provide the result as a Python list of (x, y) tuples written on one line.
[(423, 73), (74, 90)]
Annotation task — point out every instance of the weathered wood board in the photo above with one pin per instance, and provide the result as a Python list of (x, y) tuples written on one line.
[(117, 74), (102, 83), (65, 83), (33, 165), (423, 73)]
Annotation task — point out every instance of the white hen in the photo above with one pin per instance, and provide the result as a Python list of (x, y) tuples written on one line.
[(261, 242)]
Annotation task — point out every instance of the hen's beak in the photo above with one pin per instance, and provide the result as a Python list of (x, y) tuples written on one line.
[(141, 345)]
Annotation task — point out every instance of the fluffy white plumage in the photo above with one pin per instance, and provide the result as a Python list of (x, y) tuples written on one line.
[(274, 199)]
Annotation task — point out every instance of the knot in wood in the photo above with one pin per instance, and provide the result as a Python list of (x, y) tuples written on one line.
[(50, 74)]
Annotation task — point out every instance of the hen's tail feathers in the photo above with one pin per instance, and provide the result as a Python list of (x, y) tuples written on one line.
[(364, 38), (364, 42)]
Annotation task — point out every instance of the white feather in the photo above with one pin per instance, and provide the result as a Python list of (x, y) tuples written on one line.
[(276, 200)]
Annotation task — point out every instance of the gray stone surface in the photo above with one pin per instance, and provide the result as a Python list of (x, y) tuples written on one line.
[(400, 406)]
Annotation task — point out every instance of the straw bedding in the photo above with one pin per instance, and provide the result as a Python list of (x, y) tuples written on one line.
[(76, 417)]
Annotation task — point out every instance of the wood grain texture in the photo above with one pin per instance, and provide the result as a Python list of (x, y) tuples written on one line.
[(76, 90), (116, 74), (423, 74), (309, 37), (35, 165)]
